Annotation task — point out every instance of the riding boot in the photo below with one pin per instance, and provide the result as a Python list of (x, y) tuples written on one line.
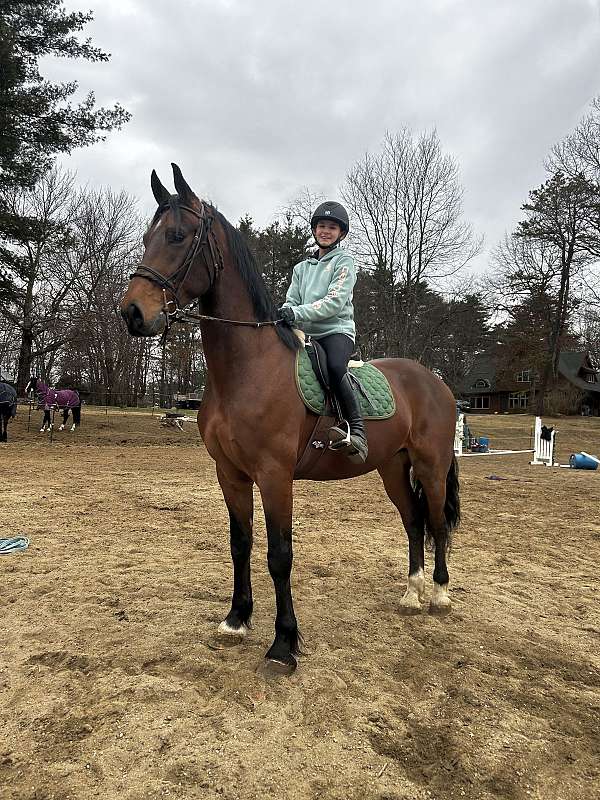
[(354, 441)]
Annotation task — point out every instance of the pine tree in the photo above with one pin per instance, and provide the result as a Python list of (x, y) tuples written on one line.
[(37, 121)]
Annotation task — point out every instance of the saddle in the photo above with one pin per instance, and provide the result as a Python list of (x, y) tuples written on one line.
[(312, 381)]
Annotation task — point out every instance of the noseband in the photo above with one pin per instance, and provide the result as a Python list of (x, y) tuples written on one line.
[(204, 243)]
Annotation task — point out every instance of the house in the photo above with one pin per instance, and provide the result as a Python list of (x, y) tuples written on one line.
[(577, 390)]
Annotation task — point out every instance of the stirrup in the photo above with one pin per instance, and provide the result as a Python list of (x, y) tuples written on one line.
[(338, 438)]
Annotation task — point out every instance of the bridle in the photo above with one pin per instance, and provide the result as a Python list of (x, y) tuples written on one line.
[(204, 243)]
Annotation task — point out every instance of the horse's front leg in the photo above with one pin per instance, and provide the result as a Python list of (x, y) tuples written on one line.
[(65, 418), (237, 491), (276, 493)]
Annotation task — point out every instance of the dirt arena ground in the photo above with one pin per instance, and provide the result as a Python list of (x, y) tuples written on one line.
[(114, 686)]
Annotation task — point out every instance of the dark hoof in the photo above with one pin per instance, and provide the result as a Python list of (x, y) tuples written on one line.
[(226, 636), (410, 611), (440, 611), (272, 668)]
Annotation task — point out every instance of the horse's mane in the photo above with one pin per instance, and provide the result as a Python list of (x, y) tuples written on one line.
[(262, 302)]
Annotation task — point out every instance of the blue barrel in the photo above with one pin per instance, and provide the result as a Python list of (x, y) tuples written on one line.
[(579, 461), (484, 441)]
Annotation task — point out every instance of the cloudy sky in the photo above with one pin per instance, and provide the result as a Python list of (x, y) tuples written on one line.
[(255, 99)]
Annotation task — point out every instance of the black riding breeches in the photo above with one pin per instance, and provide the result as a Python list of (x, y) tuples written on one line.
[(339, 348)]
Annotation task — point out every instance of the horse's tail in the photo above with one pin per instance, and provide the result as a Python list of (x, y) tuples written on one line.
[(76, 410), (451, 506)]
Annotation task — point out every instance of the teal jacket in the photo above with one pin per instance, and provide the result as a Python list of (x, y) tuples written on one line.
[(320, 294)]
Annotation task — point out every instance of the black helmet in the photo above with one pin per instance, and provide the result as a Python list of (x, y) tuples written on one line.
[(332, 211)]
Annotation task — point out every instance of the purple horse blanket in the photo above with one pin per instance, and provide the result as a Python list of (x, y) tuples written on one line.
[(63, 398)]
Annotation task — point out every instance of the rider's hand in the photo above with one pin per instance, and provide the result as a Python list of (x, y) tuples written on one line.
[(286, 313)]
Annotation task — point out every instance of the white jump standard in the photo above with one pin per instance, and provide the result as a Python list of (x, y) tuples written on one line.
[(543, 444)]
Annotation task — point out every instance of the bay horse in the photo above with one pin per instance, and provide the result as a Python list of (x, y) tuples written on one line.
[(8, 408), (255, 426), (48, 398)]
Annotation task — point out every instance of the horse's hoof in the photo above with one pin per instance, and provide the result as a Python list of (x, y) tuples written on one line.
[(410, 609), (273, 668), (440, 603), (440, 610), (227, 630)]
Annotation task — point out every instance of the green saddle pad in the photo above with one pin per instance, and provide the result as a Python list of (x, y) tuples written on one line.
[(379, 402)]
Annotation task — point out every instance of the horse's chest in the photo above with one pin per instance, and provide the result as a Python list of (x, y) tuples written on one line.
[(223, 437)]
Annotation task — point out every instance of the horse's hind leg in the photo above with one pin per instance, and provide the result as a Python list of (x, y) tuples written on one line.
[(434, 476), (76, 411), (237, 491), (65, 418), (396, 479)]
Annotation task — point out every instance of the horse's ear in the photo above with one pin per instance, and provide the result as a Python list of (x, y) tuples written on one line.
[(181, 187), (161, 195)]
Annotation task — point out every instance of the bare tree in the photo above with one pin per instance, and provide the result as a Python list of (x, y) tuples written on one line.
[(301, 208), (107, 242), (406, 202), (579, 153), (37, 303)]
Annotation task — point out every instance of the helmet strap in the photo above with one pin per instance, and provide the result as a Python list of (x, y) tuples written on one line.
[(329, 247)]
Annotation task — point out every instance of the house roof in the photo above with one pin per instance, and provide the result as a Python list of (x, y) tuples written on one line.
[(570, 365), (484, 368)]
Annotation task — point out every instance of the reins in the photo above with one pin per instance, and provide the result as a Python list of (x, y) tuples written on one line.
[(204, 239)]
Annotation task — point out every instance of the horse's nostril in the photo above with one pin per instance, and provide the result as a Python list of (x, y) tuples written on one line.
[(134, 317)]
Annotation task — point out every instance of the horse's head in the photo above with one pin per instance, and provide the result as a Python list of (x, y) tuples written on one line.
[(181, 261)]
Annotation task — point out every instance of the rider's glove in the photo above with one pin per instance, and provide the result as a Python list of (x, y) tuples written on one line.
[(286, 313)]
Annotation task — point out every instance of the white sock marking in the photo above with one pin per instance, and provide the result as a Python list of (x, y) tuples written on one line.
[(229, 630), (439, 596), (414, 590)]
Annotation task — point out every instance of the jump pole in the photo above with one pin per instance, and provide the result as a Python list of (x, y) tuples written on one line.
[(543, 449)]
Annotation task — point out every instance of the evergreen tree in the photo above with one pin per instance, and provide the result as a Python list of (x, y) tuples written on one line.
[(37, 121), (276, 250)]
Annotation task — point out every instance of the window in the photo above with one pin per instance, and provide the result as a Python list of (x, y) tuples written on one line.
[(481, 401), (518, 399), (481, 383), (524, 376), (590, 377)]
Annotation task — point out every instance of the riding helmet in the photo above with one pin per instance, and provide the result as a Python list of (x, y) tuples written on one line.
[(332, 211)]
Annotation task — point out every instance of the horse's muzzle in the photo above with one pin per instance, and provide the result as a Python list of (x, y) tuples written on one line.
[(137, 324)]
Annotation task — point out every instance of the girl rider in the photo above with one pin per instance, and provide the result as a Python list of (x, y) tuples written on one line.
[(319, 301)]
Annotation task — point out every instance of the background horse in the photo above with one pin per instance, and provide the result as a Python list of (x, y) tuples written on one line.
[(48, 398), (8, 408), (256, 427)]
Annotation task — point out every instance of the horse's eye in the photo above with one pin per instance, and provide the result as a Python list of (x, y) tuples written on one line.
[(175, 237)]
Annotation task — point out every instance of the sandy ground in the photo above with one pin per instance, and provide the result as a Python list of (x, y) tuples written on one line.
[(114, 685)]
